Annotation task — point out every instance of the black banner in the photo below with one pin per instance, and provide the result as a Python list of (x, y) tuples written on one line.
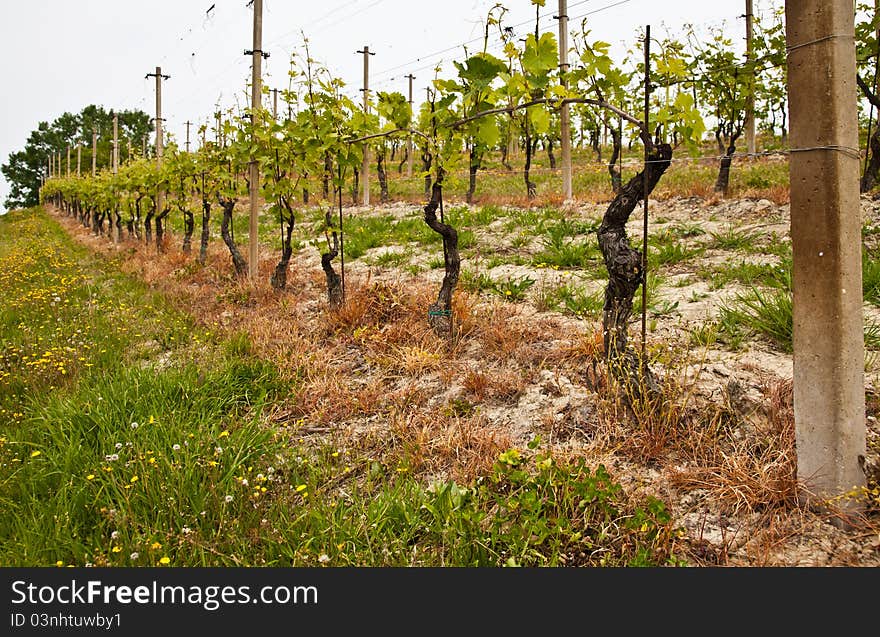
[(221, 601)]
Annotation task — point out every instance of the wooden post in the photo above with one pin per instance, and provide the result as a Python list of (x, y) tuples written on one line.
[(409, 141), (750, 97), (828, 341), (275, 104), (365, 168), (78, 159), (254, 177), (564, 114), (188, 123)]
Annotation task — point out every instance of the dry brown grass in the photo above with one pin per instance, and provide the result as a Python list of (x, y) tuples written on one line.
[(438, 443)]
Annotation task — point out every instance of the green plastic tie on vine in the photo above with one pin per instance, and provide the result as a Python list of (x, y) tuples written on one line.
[(439, 312)]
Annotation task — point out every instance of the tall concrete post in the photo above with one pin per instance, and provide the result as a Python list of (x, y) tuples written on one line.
[(78, 159), (409, 140), (115, 143), (750, 98), (564, 114), (254, 168), (160, 193), (829, 354), (365, 167), (68, 161), (94, 151)]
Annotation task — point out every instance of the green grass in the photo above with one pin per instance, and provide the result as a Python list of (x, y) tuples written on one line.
[(734, 240), (768, 312), (131, 437), (742, 272), (574, 300)]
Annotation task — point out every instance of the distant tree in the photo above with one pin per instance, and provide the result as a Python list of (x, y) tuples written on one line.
[(26, 167)]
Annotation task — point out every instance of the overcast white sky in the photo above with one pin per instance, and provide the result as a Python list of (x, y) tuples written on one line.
[(60, 55)]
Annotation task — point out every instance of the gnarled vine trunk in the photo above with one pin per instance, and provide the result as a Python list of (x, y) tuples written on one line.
[(334, 281), (380, 173), (475, 160), (440, 312), (160, 228), (550, 156), (206, 231), (613, 168), (148, 221), (625, 275), (279, 276), (189, 225), (238, 261)]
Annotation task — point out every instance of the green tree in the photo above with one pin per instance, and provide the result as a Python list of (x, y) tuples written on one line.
[(26, 168)]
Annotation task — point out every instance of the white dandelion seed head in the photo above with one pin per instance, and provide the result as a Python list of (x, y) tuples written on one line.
[(119, 445), (134, 425), (175, 447), (134, 556), (227, 499), (323, 558), (114, 535)]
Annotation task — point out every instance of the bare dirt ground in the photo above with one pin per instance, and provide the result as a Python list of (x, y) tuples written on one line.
[(719, 450)]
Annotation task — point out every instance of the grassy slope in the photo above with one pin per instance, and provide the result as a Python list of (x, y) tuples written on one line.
[(128, 436)]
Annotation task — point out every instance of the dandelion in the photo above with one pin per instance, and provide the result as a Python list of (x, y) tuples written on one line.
[(91, 476), (227, 499), (116, 549), (218, 450), (156, 545), (134, 479), (134, 556), (224, 433), (152, 420), (59, 563), (301, 488), (111, 457), (323, 558), (134, 425), (34, 454), (244, 482), (119, 445), (165, 560), (114, 535), (175, 447)]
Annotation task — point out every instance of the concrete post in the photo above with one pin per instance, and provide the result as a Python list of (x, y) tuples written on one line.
[(78, 159), (829, 355), (564, 115), (750, 98), (365, 168), (68, 161), (409, 140), (254, 168), (94, 152), (160, 193), (115, 143)]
